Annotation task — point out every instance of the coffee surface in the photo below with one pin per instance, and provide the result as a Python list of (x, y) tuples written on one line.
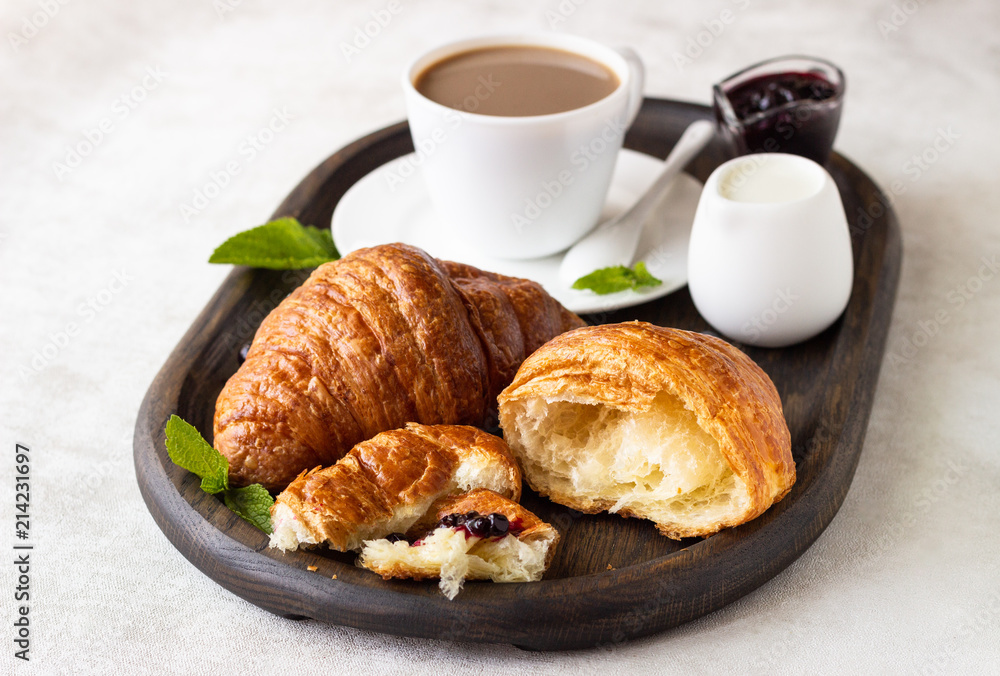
[(516, 81)]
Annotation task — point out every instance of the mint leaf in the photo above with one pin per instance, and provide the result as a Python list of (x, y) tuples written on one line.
[(322, 237), (187, 448), (282, 244), (252, 503), (617, 278), (643, 277)]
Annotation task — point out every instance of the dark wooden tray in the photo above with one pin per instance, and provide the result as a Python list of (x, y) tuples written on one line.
[(612, 579)]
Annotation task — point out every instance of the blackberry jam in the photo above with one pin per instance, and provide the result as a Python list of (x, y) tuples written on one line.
[(786, 105), (494, 525)]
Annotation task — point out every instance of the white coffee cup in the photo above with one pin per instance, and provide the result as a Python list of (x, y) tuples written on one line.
[(521, 187), (770, 261)]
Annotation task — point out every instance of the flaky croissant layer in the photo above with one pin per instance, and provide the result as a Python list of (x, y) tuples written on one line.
[(388, 483), (382, 337), (641, 420), (454, 555)]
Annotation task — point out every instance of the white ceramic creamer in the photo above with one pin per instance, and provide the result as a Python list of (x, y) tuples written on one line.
[(770, 260)]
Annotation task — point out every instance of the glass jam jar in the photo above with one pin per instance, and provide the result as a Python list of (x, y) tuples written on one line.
[(789, 104)]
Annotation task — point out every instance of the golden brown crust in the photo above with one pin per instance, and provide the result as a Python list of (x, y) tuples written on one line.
[(626, 365), (538, 315), (382, 337), (389, 473)]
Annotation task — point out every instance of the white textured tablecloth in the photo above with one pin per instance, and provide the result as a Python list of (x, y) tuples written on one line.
[(102, 270)]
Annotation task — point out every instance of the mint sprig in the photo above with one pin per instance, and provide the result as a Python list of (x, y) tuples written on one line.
[(253, 503), (282, 244), (617, 278), (188, 449)]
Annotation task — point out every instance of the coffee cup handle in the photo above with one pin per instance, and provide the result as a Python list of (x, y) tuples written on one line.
[(637, 81)]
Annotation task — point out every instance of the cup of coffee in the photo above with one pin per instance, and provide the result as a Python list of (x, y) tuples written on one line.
[(517, 137)]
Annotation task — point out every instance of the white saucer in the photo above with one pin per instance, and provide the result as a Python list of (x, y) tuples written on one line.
[(380, 208)]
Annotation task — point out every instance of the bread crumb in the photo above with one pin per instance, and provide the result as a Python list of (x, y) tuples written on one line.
[(334, 577), (610, 567), (311, 569)]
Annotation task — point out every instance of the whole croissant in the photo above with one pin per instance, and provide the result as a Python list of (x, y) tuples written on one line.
[(382, 337)]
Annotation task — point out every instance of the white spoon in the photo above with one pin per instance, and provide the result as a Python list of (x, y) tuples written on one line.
[(614, 242)]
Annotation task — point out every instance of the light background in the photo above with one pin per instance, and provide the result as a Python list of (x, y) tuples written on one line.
[(905, 580)]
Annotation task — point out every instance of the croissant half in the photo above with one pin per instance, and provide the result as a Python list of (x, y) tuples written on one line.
[(388, 483), (673, 426), (454, 554), (382, 337)]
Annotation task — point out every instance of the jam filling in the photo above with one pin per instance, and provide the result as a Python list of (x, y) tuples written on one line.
[(473, 524)]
